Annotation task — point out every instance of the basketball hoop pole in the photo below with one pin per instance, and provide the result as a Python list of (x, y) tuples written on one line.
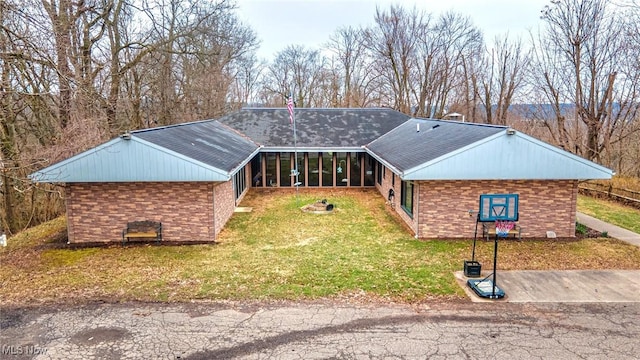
[(495, 262), (475, 236)]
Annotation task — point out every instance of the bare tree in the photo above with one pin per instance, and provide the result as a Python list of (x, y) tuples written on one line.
[(299, 71), (196, 44), (29, 119), (94, 68), (419, 60), (444, 47), (392, 43), (246, 75), (347, 44), (505, 67), (580, 59)]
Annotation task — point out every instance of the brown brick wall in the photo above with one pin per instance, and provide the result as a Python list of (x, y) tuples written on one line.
[(444, 206), (97, 212), (224, 203), (388, 183), (543, 206)]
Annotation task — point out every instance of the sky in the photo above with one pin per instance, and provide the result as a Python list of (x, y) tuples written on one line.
[(310, 23)]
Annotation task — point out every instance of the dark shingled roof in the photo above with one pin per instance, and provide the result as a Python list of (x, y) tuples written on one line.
[(405, 148), (209, 142), (315, 128)]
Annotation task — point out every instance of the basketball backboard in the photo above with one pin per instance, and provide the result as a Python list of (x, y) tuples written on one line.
[(494, 207)]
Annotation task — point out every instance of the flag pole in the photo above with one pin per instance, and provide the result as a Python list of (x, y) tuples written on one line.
[(292, 119)]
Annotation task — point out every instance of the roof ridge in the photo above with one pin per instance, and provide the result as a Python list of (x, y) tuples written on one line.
[(171, 126), (325, 109), (463, 123)]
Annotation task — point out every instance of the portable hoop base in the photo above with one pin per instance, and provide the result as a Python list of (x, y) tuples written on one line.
[(485, 288)]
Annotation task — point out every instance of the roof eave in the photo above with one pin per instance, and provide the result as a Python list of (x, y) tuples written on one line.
[(267, 148), (246, 161), (384, 162)]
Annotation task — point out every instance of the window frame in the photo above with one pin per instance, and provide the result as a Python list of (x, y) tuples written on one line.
[(404, 196)]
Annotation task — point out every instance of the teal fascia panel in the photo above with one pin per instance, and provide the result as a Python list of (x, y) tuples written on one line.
[(508, 157), (132, 160)]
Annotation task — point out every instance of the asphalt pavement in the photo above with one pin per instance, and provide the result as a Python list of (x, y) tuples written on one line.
[(544, 315), (433, 330)]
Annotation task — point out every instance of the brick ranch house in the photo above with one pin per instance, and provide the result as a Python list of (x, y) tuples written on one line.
[(191, 176)]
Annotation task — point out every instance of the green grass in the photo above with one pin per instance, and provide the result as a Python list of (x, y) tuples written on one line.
[(614, 213), (275, 252)]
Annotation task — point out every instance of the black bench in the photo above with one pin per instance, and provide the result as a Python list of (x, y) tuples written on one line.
[(142, 230)]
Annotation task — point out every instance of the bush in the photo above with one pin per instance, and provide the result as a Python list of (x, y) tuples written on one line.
[(581, 229)]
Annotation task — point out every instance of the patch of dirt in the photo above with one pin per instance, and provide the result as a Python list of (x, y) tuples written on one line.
[(98, 335), (10, 319), (319, 207), (588, 234)]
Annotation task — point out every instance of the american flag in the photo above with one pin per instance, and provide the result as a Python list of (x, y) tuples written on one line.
[(290, 108)]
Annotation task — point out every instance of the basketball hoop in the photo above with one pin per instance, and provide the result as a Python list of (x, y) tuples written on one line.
[(503, 228)]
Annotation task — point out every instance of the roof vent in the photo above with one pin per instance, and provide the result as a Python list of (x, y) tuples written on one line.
[(126, 136), (417, 127), (511, 131)]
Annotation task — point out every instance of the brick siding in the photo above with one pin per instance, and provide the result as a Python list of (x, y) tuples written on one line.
[(224, 204), (544, 205), (97, 212), (387, 184)]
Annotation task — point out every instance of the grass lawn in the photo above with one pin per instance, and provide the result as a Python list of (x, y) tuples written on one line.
[(614, 213), (361, 251)]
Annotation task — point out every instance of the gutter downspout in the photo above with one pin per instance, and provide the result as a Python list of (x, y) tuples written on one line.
[(417, 203), (213, 204), (67, 205)]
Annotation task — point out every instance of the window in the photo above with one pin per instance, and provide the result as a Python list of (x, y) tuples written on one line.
[(256, 170), (342, 177), (302, 172), (285, 169), (355, 175), (369, 168), (314, 169), (327, 169), (393, 180), (406, 197), (239, 183), (380, 169), (272, 175)]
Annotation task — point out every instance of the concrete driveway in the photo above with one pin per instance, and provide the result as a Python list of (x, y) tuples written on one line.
[(612, 230), (585, 286)]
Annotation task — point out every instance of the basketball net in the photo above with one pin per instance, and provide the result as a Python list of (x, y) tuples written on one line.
[(503, 227)]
